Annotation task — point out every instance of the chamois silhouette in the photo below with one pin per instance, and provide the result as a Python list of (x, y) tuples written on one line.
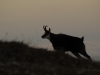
[(66, 43)]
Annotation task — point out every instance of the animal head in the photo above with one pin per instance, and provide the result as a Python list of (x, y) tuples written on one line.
[(46, 34)]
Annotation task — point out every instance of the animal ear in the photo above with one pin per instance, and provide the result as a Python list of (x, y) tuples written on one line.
[(49, 30)]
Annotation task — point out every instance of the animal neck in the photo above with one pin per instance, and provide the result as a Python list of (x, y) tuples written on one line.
[(52, 36), (48, 36)]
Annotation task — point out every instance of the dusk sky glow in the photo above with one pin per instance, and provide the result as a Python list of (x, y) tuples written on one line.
[(24, 20)]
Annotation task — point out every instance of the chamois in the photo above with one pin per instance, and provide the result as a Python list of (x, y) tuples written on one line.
[(66, 43)]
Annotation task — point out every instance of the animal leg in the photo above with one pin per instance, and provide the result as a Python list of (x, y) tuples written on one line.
[(77, 54), (83, 52), (86, 55)]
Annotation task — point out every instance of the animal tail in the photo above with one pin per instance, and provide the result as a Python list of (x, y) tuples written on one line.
[(82, 38)]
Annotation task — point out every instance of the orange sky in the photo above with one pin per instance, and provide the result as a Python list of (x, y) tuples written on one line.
[(24, 19)]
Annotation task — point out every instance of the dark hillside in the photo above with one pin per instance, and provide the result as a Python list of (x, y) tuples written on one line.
[(17, 58)]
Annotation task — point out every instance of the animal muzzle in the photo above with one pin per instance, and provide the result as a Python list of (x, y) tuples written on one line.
[(42, 36)]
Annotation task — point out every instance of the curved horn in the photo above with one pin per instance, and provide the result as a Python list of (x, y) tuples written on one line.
[(49, 29), (45, 27)]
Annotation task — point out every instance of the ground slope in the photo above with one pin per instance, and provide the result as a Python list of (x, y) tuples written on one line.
[(17, 58)]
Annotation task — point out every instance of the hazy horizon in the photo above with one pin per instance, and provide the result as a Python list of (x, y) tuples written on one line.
[(24, 20)]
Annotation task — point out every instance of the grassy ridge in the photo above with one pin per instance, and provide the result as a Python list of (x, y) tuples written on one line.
[(17, 58)]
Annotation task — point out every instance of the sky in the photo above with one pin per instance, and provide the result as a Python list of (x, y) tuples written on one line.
[(23, 20)]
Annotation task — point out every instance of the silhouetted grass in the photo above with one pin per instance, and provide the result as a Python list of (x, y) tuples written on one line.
[(18, 58)]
